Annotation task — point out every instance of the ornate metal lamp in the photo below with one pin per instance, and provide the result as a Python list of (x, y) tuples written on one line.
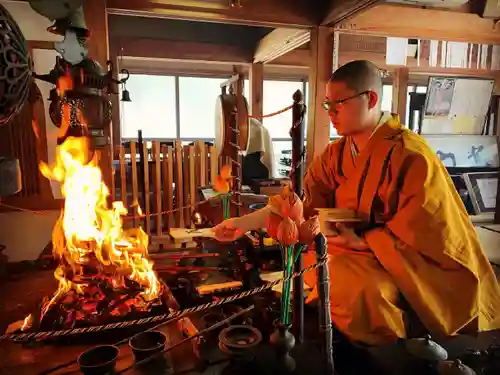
[(91, 84)]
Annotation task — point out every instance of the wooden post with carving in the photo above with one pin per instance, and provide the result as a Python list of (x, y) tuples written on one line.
[(296, 177), (325, 319)]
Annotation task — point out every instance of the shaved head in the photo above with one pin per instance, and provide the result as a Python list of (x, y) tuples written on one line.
[(359, 76), (353, 98)]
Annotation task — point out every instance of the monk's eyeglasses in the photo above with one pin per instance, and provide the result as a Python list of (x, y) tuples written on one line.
[(331, 104)]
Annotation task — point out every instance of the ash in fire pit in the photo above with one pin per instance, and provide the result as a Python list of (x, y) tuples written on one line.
[(104, 272)]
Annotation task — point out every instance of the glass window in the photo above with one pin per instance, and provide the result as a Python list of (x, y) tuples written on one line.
[(276, 96), (152, 108), (246, 90), (422, 89), (197, 97), (282, 158), (386, 98)]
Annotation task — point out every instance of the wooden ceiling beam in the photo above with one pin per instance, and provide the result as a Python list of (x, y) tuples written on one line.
[(279, 42), (301, 58), (297, 57), (342, 10), (169, 49), (419, 23), (424, 68), (269, 13)]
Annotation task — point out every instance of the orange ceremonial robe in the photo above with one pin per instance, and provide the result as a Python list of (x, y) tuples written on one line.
[(426, 250)]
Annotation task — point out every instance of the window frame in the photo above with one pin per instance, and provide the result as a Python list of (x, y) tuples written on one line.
[(177, 75), (118, 126)]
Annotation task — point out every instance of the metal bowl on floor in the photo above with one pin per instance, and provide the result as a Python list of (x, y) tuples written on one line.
[(238, 339), (98, 360)]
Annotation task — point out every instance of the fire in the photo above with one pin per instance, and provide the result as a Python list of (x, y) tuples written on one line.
[(103, 269), (88, 234)]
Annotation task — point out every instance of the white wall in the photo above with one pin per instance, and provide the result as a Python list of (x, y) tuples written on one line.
[(25, 234)]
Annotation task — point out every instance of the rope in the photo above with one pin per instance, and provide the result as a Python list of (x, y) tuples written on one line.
[(126, 217), (158, 318), (273, 113), (133, 217)]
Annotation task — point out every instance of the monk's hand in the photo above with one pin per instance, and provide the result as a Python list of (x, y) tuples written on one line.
[(347, 238), (229, 230)]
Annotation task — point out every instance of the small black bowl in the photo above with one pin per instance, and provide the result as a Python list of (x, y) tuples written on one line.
[(238, 339), (98, 360), (145, 344)]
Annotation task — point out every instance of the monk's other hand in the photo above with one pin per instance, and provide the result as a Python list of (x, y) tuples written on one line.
[(229, 230), (347, 238)]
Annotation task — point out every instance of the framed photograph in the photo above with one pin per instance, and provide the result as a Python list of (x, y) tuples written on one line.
[(439, 96), (457, 105), (482, 188)]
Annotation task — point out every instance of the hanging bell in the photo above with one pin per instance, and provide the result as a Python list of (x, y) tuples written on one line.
[(75, 21), (125, 96)]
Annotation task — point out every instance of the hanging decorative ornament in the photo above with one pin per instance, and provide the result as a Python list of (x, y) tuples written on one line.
[(15, 75)]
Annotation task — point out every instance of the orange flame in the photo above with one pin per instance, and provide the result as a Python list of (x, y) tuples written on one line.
[(65, 83), (89, 234)]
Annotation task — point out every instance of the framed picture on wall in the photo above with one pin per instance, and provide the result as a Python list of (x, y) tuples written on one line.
[(482, 188), (439, 96), (457, 105)]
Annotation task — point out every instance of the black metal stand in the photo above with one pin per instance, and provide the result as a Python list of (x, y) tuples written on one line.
[(417, 104), (141, 173), (325, 319), (296, 176)]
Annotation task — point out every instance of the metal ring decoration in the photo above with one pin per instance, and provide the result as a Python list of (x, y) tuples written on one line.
[(15, 74), (225, 137)]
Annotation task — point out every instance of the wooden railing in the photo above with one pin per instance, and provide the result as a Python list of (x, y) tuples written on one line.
[(165, 183)]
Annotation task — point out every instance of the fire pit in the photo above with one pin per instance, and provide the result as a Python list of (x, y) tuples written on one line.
[(104, 272)]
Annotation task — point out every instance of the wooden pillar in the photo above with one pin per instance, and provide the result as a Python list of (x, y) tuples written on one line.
[(320, 70), (400, 92), (256, 81), (496, 91), (98, 45)]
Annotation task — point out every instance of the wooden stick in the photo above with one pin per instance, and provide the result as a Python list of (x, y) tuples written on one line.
[(123, 176), (325, 319), (135, 185), (168, 180), (296, 175), (157, 180), (182, 255), (187, 339), (145, 186), (173, 268), (179, 189)]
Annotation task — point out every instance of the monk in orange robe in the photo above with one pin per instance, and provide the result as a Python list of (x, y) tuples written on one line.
[(419, 245)]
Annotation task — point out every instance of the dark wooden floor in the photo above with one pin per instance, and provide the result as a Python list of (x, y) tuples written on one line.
[(22, 293)]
